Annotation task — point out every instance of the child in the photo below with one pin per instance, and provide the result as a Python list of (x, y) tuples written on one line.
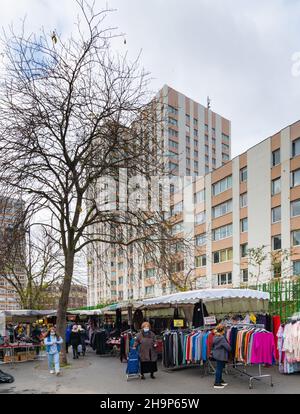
[(220, 352), (53, 346)]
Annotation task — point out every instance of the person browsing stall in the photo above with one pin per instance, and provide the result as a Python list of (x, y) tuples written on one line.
[(147, 350), (220, 352)]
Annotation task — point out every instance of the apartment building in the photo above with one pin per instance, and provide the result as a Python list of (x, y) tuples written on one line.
[(195, 141), (9, 208)]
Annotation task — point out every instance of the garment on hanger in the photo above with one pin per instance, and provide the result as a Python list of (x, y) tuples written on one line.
[(289, 348), (200, 312), (276, 326)]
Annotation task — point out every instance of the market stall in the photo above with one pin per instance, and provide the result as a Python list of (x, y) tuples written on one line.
[(203, 309)]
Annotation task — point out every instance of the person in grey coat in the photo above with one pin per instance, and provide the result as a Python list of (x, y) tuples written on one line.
[(220, 352), (146, 342)]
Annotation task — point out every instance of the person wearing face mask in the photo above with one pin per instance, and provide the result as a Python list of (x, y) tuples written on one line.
[(147, 349), (53, 347)]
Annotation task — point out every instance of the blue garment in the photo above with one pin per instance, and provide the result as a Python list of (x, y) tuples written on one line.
[(194, 347), (53, 344), (204, 346), (53, 362), (68, 333), (219, 372)]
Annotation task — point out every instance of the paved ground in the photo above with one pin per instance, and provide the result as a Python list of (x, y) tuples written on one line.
[(106, 375)]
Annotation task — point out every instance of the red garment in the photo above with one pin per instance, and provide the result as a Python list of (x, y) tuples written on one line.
[(210, 341), (276, 326)]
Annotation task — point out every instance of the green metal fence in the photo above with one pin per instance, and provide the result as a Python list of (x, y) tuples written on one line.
[(284, 297)]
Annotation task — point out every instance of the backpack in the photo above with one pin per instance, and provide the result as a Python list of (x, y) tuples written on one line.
[(6, 378)]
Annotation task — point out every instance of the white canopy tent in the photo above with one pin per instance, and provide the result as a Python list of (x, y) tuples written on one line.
[(217, 301)]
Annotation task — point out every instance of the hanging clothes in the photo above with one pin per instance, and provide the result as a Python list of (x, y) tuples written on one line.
[(276, 326), (118, 319), (289, 348), (200, 312)]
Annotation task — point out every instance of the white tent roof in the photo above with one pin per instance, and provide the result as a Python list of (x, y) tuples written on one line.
[(207, 295)]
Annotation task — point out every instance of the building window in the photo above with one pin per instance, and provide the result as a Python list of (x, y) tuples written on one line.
[(149, 273), (275, 158), (276, 242), (195, 122), (243, 175), (172, 110), (296, 147), (206, 169), (222, 185), (276, 214), (295, 178), (296, 268), (177, 208), (206, 128), (222, 232), (222, 209), (244, 250), (225, 157), (188, 172), (188, 162), (201, 239), (225, 279), (222, 256), (149, 290), (196, 154), (277, 270), (188, 140), (295, 208), (296, 238), (187, 118), (120, 265), (214, 162), (173, 133), (225, 138), (196, 165), (276, 186), (243, 200), (245, 276), (200, 218), (120, 281), (173, 144), (206, 159), (177, 228), (244, 225), (200, 261), (173, 121), (214, 141), (195, 143), (199, 197), (195, 132), (225, 147), (187, 129)]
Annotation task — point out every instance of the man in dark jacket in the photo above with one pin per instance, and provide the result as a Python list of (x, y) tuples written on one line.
[(220, 352)]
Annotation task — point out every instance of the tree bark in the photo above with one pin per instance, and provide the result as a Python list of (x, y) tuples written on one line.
[(63, 302)]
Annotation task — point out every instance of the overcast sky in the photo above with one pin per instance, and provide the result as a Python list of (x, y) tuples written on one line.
[(238, 52)]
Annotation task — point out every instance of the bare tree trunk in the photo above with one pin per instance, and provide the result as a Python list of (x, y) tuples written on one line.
[(63, 302)]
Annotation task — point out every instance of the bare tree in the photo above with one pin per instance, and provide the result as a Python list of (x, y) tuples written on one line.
[(71, 114)]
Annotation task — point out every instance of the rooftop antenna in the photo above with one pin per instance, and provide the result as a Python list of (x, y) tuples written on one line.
[(208, 102)]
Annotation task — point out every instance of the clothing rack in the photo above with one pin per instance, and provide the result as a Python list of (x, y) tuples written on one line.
[(235, 365)]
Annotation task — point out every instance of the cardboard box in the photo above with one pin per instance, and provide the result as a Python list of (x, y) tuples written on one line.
[(9, 358)]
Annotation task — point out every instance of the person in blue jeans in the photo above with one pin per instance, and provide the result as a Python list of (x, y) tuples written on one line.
[(53, 347), (220, 352)]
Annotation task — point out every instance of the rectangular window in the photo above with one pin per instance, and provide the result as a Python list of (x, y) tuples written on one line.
[(200, 218), (206, 159), (196, 165), (244, 250), (173, 121), (296, 148), (195, 132), (225, 157), (222, 185), (296, 238), (276, 242), (295, 178), (244, 225), (200, 261), (195, 122), (214, 141), (173, 133), (207, 149), (275, 158), (177, 208), (225, 147), (187, 129), (225, 138), (120, 265), (225, 279), (296, 268), (195, 143), (276, 186), (150, 273), (172, 110), (177, 228), (245, 276), (188, 151), (196, 154), (222, 232), (243, 175), (187, 118), (243, 200), (222, 209), (222, 256), (188, 140), (120, 281), (188, 162), (173, 144), (149, 290), (214, 162), (201, 239), (206, 169), (295, 208), (188, 172), (276, 214), (199, 197), (206, 128)]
